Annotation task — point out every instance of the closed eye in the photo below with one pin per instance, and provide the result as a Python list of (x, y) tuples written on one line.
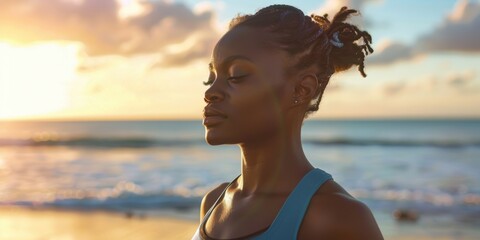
[(236, 78)]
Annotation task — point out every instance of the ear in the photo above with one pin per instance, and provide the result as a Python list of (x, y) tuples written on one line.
[(306, 87)]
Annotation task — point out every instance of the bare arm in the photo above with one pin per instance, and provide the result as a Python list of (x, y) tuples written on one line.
[(360, 224), (339, 217)]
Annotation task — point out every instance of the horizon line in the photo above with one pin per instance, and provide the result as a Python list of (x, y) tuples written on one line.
[(86, 119)]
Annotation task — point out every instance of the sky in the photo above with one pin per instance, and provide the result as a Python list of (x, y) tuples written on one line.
[(141, 59)]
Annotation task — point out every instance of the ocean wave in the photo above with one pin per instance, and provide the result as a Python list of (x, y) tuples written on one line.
[(119, 203), (93, 142), (149, 142), (418, 196), (394, 143), (378, 199), (131, 201), (145, 142)]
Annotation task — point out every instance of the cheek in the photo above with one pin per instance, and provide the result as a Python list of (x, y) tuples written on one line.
[(258, 110)]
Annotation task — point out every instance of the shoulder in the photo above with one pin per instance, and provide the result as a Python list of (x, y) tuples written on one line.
[(335, 214), (209, 199)]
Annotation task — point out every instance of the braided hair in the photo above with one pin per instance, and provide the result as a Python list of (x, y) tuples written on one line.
[(330, 44)]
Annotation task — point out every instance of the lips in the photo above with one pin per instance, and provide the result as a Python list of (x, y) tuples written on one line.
[(209, 112), (212, 116)]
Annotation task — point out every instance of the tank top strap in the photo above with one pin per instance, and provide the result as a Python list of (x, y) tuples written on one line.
[(288, 220)]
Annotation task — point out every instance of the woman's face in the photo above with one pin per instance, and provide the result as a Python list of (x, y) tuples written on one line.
[(250, 86)]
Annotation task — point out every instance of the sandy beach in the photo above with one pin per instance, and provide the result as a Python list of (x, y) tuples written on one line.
[(20, 223)]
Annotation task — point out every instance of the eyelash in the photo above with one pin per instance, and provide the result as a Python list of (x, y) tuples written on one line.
[(210, 82)]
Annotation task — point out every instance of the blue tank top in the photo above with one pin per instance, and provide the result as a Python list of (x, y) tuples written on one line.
[(287, 222)]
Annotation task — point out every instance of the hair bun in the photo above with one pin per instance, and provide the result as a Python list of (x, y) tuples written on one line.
[(352, 53), (346, 34)]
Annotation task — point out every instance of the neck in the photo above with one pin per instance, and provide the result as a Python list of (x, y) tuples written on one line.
[(273, 165)]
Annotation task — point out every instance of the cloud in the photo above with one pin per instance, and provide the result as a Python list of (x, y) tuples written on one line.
[(204, 6), (464, 11), (332, 6), (462, 81), (390, 53), (392, 88), (202, 47), (458, 33), (461, 36), (102, 30)]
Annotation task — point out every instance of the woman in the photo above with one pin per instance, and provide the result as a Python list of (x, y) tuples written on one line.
[(268, 72)]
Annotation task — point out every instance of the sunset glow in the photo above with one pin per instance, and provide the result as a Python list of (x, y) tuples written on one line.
[(36, 79), (135, 59)]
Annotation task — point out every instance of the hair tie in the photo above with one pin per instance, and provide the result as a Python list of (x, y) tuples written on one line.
[(336, 41)]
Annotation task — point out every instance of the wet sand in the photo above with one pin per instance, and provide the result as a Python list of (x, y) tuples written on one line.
[(22, 223), (28, 224)]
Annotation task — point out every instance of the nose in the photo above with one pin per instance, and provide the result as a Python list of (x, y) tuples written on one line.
[(213, 95)]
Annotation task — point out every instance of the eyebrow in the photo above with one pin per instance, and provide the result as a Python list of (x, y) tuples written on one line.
[(229, 60)]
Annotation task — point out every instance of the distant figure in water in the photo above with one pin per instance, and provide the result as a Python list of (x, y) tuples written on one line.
[(267, 74), (405, 215)]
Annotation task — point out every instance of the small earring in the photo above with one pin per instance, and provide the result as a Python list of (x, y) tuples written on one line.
[(296, 101)]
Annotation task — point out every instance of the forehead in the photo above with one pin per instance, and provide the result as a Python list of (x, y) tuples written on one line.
[(251, 43)]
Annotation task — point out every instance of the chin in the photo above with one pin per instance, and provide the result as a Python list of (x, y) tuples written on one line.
[(214, 138), (215, 142)]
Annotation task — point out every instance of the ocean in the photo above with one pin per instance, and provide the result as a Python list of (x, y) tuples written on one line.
[(431, 167)]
